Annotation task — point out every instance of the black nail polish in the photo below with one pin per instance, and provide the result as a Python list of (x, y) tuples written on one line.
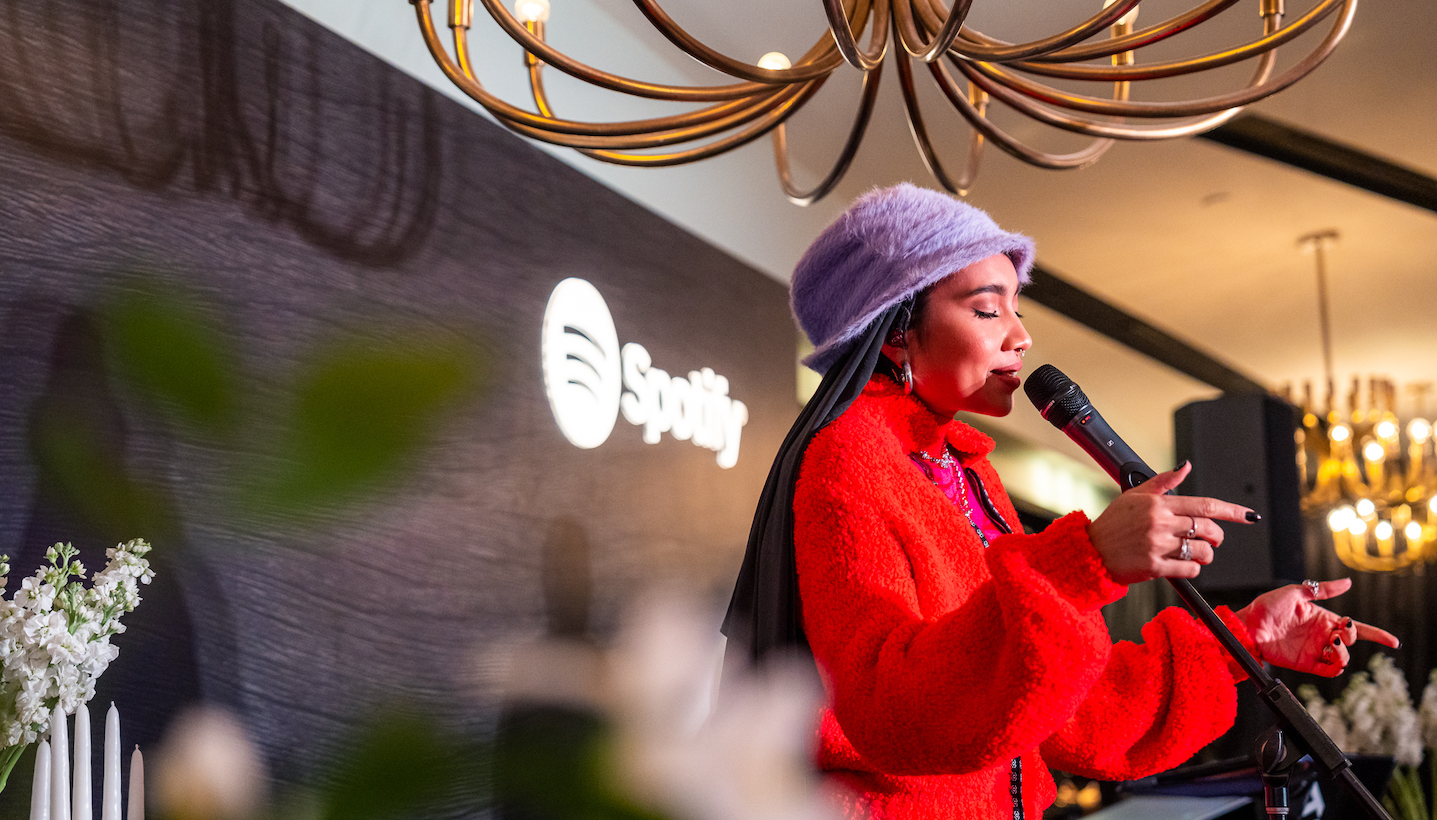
[(1347, 624), (1252, 517), (1336, 641), (1180, 466)]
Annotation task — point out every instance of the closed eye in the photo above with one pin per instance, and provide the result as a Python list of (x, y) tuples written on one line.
[(983, 314)]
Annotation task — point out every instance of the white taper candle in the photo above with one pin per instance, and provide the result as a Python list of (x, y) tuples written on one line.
[(40, 790), (110, 793), (137, 786), (80, 806), (59, 765)]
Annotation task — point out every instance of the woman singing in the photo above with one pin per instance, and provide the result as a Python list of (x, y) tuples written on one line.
[(961, 657)]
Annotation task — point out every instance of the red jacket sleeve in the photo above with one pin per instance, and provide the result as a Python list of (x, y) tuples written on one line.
[(1156, 704), (990, 654)]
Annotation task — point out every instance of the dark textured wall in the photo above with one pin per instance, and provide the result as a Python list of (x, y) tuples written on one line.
[(296, 191)]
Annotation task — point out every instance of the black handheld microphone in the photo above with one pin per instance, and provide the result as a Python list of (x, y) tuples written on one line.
[(1064, 405)]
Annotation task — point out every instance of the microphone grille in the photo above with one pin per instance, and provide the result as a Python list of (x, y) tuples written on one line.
[(1057, 397), (1045, 383)]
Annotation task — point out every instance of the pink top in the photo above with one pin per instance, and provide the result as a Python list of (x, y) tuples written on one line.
[(946, 475)]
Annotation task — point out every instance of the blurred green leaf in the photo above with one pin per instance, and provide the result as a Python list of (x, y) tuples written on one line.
[(173, 355), (76, 460), (555, 763), (362, 412), (398, 767)]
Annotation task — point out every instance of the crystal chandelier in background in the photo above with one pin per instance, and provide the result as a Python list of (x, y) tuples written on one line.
[(1369, 477), (766, 93)]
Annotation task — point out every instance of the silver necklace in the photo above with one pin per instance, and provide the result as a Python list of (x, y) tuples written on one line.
[(948, 462)]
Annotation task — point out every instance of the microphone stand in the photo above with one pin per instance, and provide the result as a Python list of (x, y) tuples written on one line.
[(1292, 718)]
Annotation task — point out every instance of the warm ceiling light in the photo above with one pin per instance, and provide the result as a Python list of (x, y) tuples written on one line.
[(1413, 531), (1419, 430), (1340, 432), (1373, 451), (775, 61), (1366, 508), (1340, 518), (1357, 526), (1127, 19), (1386, 429), (1383, 530), (532, 11), (759, 100)]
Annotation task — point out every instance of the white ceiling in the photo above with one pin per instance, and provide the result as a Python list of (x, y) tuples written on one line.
[(1194, 237)]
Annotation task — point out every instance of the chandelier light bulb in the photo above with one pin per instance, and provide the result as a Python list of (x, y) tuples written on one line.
[(1127, 19), (1340, 518), (1357, 527), (1387, 428), (1373, 451), (1419, 430), (774, 61), (1413, 532), (532, 11), (1340, 432), (1432, 505), (1383, 530), (1366, 508)]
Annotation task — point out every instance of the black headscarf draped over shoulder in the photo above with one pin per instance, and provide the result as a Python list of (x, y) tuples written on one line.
[(765, 615)]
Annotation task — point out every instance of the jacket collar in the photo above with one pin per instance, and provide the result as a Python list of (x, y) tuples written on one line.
[(919, 428)]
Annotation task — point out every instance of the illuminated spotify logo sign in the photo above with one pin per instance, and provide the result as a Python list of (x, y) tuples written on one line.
[(589, 380)]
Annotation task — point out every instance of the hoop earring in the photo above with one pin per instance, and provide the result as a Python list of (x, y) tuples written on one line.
[(907, 377)]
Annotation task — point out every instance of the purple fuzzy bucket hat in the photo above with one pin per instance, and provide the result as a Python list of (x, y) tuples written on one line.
[(890, 244)]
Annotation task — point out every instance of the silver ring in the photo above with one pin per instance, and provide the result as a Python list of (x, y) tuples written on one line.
[(1185, 552), (1192, 531), (1311, 586)]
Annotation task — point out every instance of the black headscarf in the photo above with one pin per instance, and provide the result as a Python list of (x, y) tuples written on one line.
[(764, 615)]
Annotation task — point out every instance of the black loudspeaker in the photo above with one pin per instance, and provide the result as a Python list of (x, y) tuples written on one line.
[(1243, 451)]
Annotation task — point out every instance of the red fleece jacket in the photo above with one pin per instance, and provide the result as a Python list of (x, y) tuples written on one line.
[(943, 660)]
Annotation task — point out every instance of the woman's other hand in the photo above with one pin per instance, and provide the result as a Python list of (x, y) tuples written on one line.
[(1293, 632), (1140, 535)]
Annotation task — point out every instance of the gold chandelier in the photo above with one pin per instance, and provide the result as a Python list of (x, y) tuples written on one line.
[(1375, 487), (767, 93)]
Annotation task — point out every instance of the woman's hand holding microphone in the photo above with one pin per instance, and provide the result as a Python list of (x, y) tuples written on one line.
[(1146, 534)]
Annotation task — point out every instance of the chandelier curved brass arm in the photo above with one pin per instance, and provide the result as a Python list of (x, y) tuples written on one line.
[(766, 94)]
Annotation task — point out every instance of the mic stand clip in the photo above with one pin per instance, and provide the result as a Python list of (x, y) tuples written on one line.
[(1275, 759)]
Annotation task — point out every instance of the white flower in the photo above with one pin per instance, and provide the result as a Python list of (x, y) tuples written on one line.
[(1327, 715), (1428, 712), (746, 755), (1406, 737), (1379, 716), (35, 594), (55, 635)]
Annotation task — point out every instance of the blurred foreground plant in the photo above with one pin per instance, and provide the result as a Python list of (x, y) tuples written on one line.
[(743, 752), (398, 766), (657, 737), (55, 639), (636, 732), (207, 769), (358, 411)]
